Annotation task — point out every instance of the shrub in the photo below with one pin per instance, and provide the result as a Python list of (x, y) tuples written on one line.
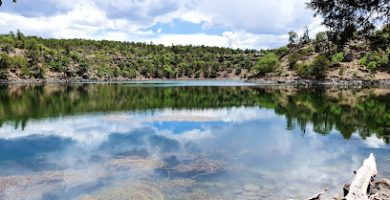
[(197, 74), (315, 69), (374, 60), (267, 64), (4, 65), (169, 72), (322, 43), (229, 70), (303, 70), (238, 71), (282, 51), (293, 59), (83, 68), (104, 71), (319, 66), (307, 51), (338, 57), (129, 73)]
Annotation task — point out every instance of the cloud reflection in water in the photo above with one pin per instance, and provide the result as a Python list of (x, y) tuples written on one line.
[(253, 142)]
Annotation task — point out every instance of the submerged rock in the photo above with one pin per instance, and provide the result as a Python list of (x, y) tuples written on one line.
[(137, 190), (249, 187), (201, 166)]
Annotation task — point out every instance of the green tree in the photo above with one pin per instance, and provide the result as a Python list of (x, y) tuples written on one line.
[(266, 64), (345, 17)]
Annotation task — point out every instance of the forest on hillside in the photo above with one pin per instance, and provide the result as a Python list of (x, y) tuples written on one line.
[(356, 45), (35, 57)]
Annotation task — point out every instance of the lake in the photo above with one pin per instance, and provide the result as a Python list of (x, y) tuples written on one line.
[(187, 140)]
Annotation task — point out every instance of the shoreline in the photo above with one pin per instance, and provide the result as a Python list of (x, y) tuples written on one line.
[(300, 82)]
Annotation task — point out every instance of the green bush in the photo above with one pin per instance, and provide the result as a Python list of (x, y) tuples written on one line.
[(104, 71), (338, 57), (319, 66), (169, 72), (374, 60), (307, 51), (129, 73), (282, 51), (315, 69), (303, 70), (293, 59), (4, 65), (238, 71), (83, 68), (266, 64), (229, 70)]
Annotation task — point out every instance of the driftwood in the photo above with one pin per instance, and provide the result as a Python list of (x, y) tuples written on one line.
[(364, 186), (318, 195), (360, 185)]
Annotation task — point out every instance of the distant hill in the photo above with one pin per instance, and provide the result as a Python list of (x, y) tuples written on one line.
[(29, 58)]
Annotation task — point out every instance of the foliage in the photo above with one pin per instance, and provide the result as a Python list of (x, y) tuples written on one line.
[(5, 63), (267, 64), (323, 44), (338, 57), (346, 17), (293, 58), (89, 59), (316, 68), (282, 51), (374, 60), (380, 39)]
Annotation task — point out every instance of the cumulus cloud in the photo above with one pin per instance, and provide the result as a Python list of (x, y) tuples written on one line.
[(244, 24)]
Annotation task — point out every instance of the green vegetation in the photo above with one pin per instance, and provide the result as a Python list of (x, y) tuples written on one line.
[(345, 18), (374, 60), (314, 69), (351, 36), (267, 64), (38, 58), (338, 57)]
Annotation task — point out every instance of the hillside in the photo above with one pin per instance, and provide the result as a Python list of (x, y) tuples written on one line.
[(29, 58)]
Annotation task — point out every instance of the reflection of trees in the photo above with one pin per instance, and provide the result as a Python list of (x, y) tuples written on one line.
[(348, 111), (370, 115)]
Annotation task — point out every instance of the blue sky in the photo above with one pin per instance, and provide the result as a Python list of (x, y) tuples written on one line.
[(253, 24)]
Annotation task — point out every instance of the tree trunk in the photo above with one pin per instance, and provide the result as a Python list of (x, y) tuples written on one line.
[(359, 186)]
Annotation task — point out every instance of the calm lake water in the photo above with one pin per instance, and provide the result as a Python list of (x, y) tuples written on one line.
[(187, 140)]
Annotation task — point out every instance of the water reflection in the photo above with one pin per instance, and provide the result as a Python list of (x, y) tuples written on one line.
[(238, 142)]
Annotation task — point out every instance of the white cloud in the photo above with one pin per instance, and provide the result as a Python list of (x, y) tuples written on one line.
[(242, 40), (191, 135), (194, 39), (374, 142), (259, 17), (85, 130), (245, 24), (235, 115)]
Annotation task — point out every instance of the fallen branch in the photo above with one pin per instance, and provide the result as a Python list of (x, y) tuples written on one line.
[(360, 185), (317, 196)]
